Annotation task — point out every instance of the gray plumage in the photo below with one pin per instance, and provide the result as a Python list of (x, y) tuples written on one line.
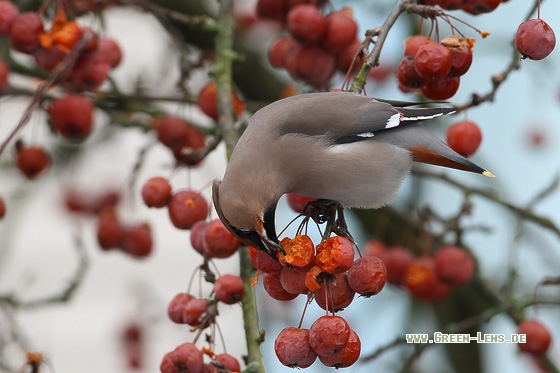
[(340, 146)]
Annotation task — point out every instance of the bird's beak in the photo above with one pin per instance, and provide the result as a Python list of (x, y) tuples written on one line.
[(248, 237)]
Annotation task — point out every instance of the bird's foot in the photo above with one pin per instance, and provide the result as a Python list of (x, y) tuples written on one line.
[(332, 213)]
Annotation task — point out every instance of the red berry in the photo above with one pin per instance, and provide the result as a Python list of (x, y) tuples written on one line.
[(262, 261), (346, 356), (176, 307), (432, 61), (137, 240), (48, 59), (297, 202), (186, 207), (446, 4), (338, 293), (460, 50), (464, 137), (293, 280), (31, 160), (335, 255), (2, 207), (367, 276), (537, 337), (350, 56), (374, 247), (172, 131), (109, 51), (72, 116), (194, 312), (293, 349), (422, 281), (328, 334), (198, 236), (454, 265), (340, 30), (407, 75), (156, 192), (229, 289), (278, 51), (413, 43), (535, 39), (110, 232), (207, 101), (441, 88), (396, 261), (229, 362), (272, 285), (8, 13), (306, 23), (25, 31), (220, 243), (311, 64), (272, 9), (4, 72), (89, 73), (185, 358), (480, 6)]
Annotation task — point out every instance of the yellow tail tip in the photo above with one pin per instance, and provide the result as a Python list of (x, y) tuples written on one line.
[(488, 174)]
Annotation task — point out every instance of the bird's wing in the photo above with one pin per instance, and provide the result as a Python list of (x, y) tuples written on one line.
[(320, 114)]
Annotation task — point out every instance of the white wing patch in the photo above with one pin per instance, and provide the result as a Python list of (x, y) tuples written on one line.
[(366, 134), (394, 121)]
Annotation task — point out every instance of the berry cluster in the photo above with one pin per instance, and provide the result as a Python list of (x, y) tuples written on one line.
[(317, 44), (428, 278), (474, 7), (328, 274), (70, 116), (434, 68)]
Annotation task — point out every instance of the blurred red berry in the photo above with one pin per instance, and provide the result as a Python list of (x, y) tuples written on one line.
[(110, 232), (464, 137), (306, 23), (262, 261), (31, 160), (186, 207), (537, 337), (137, 240), (2, 207), (156, 192), (109, 51), (25, 31), (198, 236), (297, 202), (454, 265), (422, 281), (278, 50), (340, 30), (229, 289), (185, 358), (8, 13), (4, 72), (72, 116), (396, 261), (293, 280), (413, 43), (229, 362), (441, 88), (220, 243), (176, 307)]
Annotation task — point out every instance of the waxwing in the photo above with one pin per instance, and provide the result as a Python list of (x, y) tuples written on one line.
[(337, 146)]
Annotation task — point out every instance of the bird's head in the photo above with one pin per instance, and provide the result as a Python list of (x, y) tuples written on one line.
[(257, 230)]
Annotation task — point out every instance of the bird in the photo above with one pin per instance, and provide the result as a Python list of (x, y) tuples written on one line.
[(344, 147)]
